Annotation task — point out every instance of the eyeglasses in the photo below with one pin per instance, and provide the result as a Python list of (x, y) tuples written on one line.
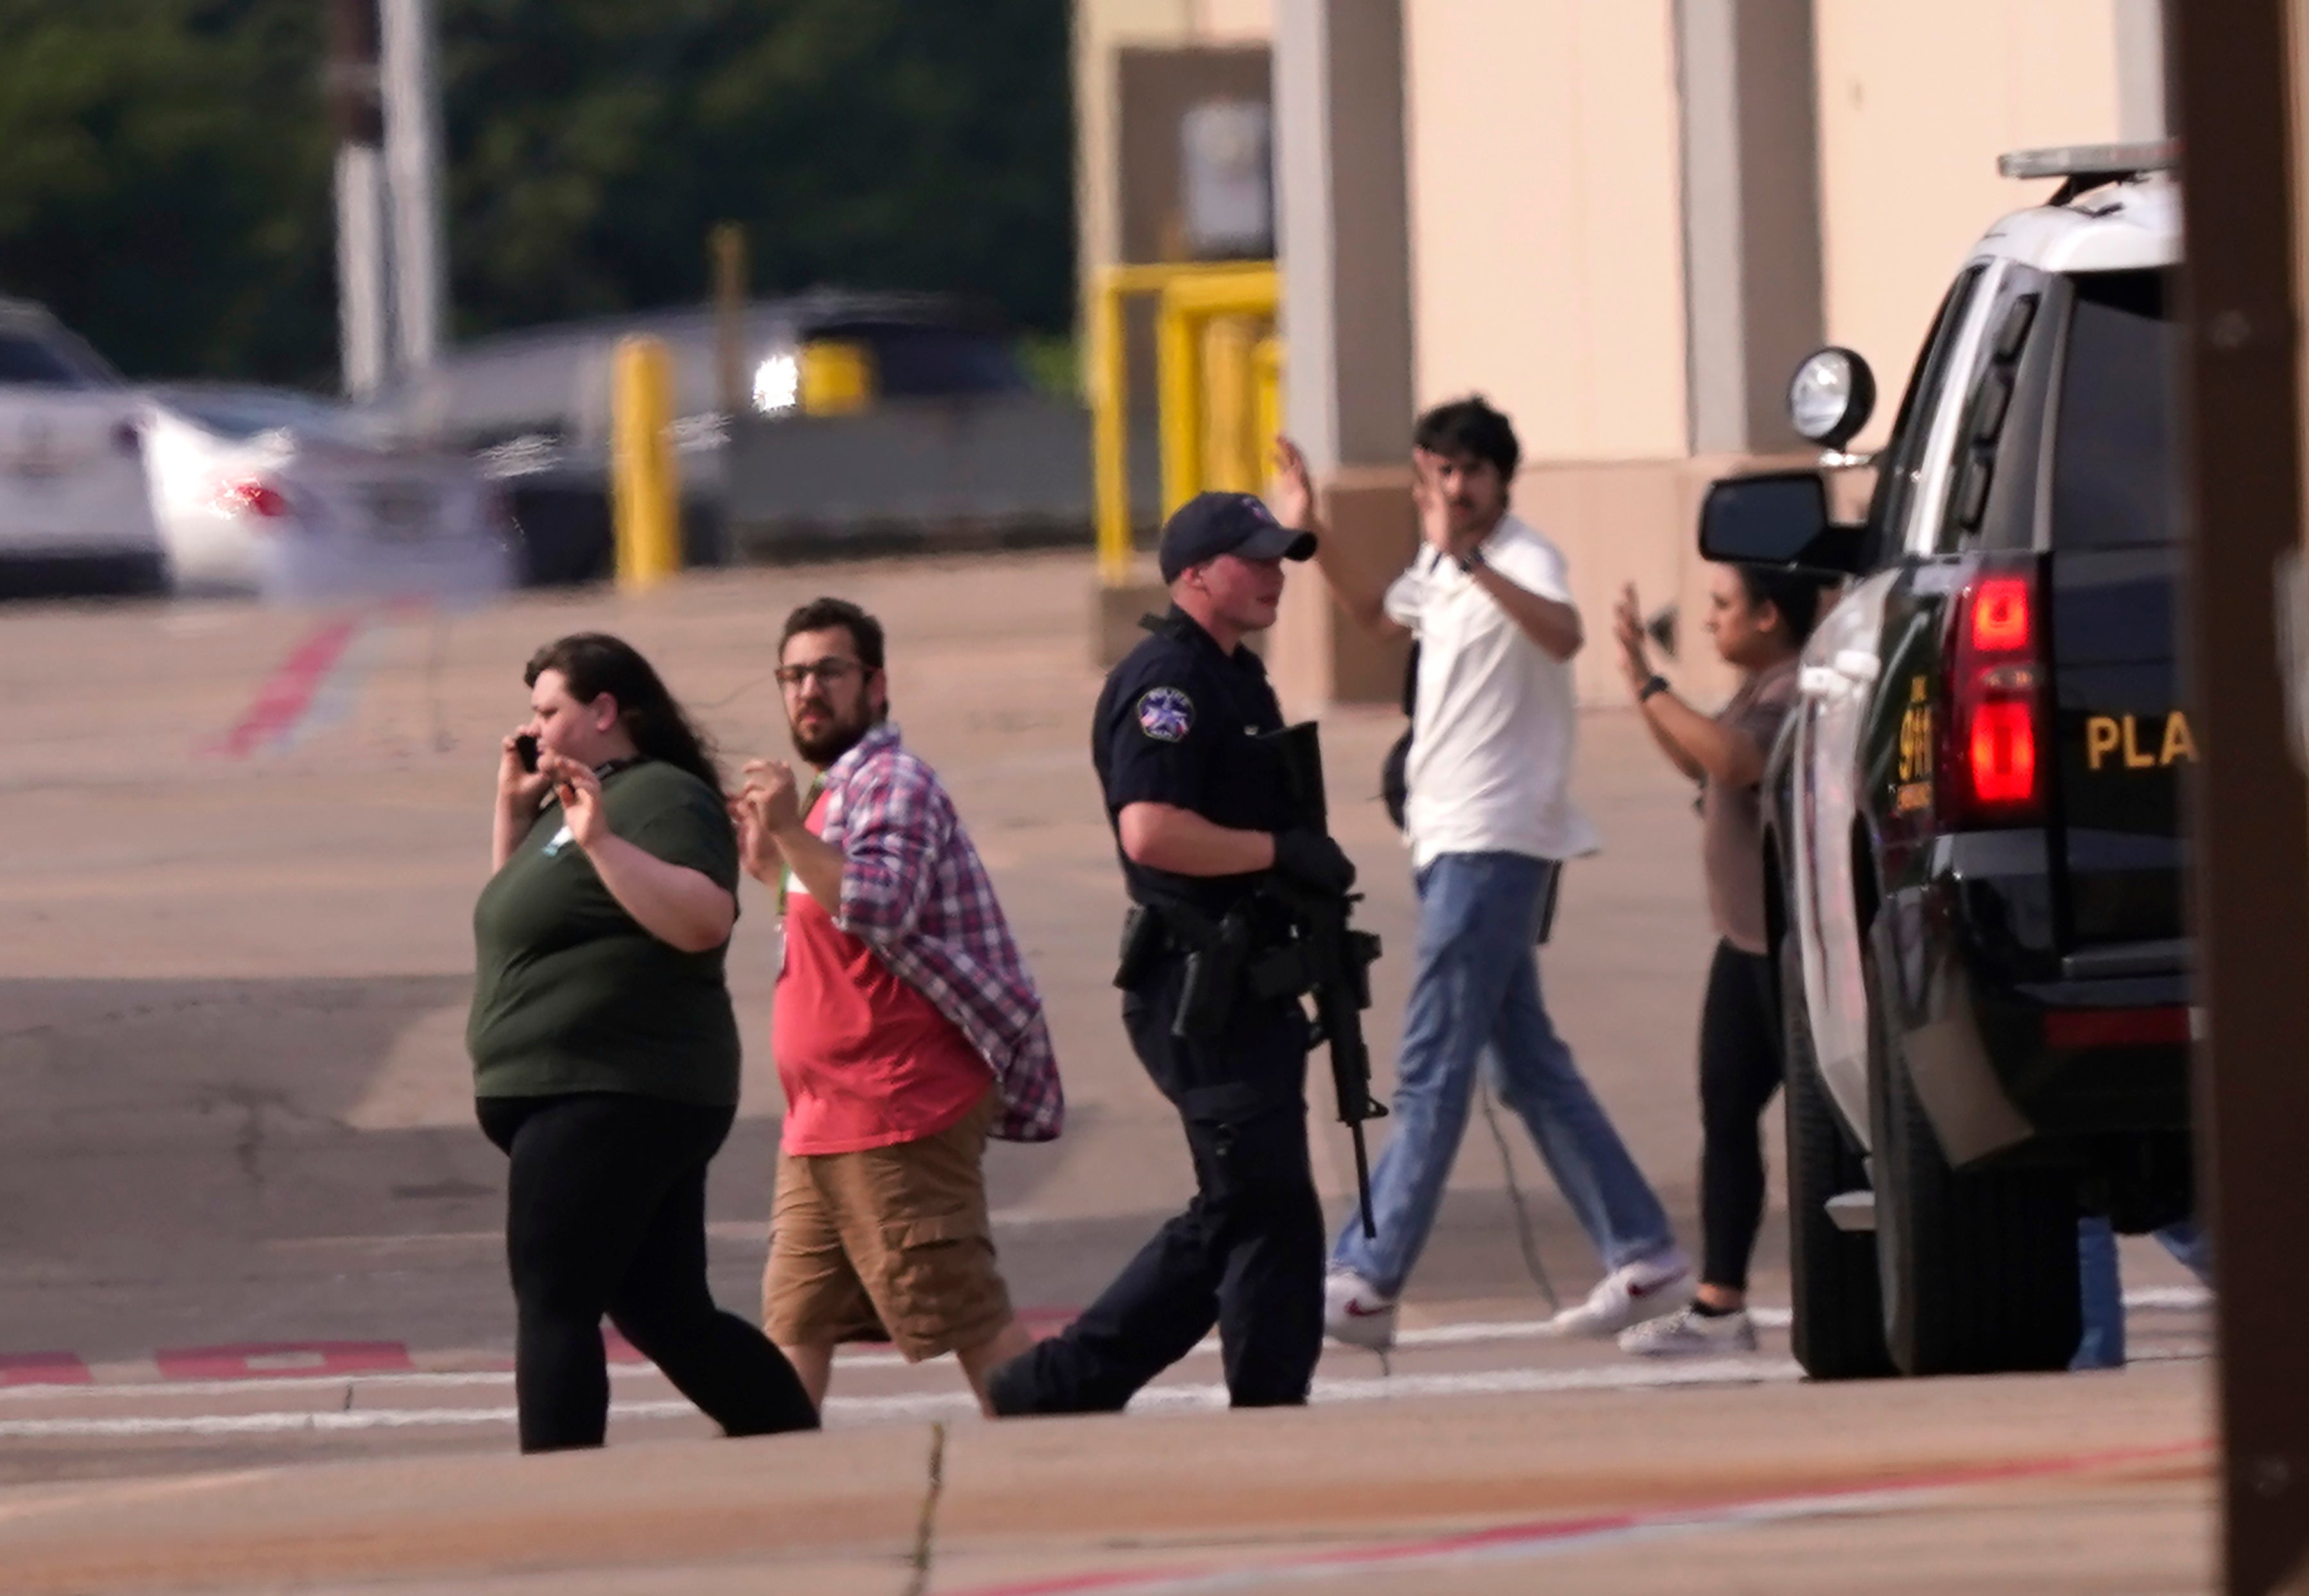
[(826, 672)]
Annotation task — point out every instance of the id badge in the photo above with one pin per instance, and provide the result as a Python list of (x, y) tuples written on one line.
[(789, 888)]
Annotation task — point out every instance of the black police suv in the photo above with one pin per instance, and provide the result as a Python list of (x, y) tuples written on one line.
[(1974, 841)]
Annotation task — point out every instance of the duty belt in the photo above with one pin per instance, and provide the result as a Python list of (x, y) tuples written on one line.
[(1226, 957)]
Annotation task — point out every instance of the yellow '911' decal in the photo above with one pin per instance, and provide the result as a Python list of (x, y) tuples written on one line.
[(2119, 742)]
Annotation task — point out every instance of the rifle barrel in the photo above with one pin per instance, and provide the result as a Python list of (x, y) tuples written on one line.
[(1362, 1177)]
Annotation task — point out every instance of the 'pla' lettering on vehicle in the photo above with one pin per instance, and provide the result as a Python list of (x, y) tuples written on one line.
[(2119, 738)]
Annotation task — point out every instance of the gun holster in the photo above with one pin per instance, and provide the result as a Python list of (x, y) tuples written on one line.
[(1143, 942), (1214, 977)]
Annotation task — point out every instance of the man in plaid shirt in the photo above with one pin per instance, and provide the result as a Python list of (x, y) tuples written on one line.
[(906, 1029)]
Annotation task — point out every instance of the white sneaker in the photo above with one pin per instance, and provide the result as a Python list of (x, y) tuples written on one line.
[(1649, 1289), (1690, 1334), (1355, 1313)]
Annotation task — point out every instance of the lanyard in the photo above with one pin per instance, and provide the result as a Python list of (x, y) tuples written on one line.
[(809, 802)]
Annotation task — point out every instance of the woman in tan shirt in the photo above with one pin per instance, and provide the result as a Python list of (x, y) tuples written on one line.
[(1759, 620)]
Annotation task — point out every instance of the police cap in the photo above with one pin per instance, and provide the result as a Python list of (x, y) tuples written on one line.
[(1211, 524)]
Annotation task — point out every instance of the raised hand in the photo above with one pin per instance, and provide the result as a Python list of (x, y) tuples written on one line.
[(771, 782), (580, 792), (1434, 511), (758, 846), (1294, 488), (1628, 627)]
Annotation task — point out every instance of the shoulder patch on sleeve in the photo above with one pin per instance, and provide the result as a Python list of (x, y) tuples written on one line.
[(1166, 714)]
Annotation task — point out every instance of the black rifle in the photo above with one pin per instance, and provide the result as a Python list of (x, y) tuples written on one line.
[(1326, 957)]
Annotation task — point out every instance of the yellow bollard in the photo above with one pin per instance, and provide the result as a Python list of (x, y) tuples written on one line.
[(645, 483)]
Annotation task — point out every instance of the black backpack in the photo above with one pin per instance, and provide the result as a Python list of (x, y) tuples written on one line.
[(1393, 784)]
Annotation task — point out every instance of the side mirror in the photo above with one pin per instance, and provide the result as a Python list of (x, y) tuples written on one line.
[(1832, 397), (1777, 518)]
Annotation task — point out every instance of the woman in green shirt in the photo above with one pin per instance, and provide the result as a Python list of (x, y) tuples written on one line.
[(605, 1052)]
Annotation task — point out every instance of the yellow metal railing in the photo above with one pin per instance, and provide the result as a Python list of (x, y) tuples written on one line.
[(1218, 388)]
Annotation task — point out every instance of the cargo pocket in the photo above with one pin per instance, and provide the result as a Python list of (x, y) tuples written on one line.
[(1257, 1145), (942, 1291)]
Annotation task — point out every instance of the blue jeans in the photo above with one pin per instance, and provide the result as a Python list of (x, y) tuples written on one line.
[(1474, 996), (2103, 1343)]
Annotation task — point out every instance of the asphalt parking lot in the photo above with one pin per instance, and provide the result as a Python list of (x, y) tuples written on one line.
[(246, 1222)]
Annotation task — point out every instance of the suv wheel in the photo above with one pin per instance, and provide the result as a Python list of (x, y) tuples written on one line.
[(1840, 1325), (1977, 1267)]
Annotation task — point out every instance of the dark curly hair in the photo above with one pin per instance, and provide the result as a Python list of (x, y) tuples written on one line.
[(1796, 598), (1470, 427), (594, 663)]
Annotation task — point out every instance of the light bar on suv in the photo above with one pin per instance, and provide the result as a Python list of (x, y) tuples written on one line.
[(2087, 164)]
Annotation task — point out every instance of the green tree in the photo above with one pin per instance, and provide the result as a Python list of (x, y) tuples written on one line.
[(164, 179), (165, 164)]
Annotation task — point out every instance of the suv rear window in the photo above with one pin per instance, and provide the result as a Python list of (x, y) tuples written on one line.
[(2113, 483)]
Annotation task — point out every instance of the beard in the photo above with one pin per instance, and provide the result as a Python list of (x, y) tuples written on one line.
[(833, 737)]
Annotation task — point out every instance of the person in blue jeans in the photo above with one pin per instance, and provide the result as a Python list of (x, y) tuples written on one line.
[(1489, 819), (2102, 1346)]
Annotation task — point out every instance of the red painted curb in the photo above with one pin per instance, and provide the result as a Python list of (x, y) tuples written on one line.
[(274, 1359), (43, 1369)]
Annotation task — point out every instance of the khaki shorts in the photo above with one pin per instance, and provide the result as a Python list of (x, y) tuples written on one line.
[(888, 1243)]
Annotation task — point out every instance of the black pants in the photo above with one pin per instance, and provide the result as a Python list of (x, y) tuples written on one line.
[(606, 1214), (1739, 1071), (1246, 1256)]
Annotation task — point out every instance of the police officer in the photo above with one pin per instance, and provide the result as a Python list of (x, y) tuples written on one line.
[(1201, 812)]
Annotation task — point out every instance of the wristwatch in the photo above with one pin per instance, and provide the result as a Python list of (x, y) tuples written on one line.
[(1655, 683), (1472, 561)]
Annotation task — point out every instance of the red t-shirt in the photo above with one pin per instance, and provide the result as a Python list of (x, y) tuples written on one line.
[(866, 1060)]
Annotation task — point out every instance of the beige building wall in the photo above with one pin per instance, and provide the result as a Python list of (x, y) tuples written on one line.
[(1916, 104), (1547, 272), (1546, 227), (1546, 214)]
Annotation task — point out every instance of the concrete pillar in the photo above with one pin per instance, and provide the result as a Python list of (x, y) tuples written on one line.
[(2141, 69), (1345, 248), (1751, 216)]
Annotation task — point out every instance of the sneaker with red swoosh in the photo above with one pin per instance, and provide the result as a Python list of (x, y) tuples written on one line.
[(1649, 1289), (1355, 1312)]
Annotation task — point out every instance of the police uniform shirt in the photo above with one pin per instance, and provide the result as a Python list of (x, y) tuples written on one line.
[(1174, 726)]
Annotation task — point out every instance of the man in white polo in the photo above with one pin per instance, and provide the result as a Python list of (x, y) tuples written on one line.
[(1489, 819)]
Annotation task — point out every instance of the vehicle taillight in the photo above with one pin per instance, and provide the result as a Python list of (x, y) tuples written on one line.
[(249, 497), (2000, 615), (1990, 774)]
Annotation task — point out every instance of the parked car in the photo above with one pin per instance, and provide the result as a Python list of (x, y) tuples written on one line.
[(288, 496), (1974, 847), (73, 511), (535, 403)]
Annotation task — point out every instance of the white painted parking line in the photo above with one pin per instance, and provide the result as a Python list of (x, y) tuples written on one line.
[(890, 1409)]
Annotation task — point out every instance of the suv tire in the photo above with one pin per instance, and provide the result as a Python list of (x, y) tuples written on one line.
[(1977, 1267), (1838, 1331)]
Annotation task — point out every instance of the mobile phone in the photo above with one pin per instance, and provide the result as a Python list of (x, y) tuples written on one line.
[(525, 747)]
